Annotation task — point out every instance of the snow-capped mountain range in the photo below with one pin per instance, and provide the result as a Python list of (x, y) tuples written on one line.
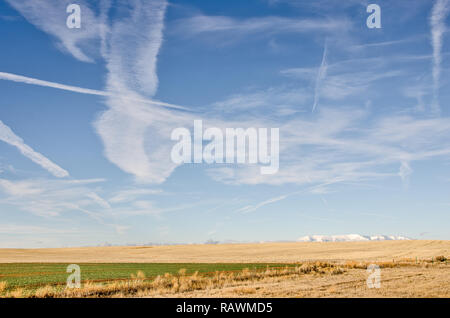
[(349, 238)]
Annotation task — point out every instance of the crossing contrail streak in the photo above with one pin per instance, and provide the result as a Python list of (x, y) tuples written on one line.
[(8, 136), (320, 76), (81, 90)]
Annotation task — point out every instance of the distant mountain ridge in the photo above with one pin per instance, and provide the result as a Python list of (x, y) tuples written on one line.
[(349, 238)]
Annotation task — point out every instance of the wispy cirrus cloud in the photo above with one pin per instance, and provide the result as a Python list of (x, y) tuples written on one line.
[(19, 229), (321, 150), (240, 28), (51, 198), (342, 79), (382, 44), (8, 136), (251, 208), (288, 100), (88, 198), (439, 13), (58, 200), (128, 195)]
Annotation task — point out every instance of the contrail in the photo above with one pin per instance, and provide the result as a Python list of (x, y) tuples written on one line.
[(81, 90), (8, 136), (320, 76), (437, 21)]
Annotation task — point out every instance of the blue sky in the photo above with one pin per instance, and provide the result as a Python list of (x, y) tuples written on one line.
[(363, 117)]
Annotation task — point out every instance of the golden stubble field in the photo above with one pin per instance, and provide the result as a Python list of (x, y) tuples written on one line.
[(234, 253)]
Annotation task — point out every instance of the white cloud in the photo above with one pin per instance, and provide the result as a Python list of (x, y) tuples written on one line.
[(371, 45), (51, 198), (440, 11), (99, 200), (346, 84), (32, 230), (202, 24), (346, 145), (128, 195), (59, 199), (134, 44), (20, 188), (251, 208), (8, 136), (405, 171), (50, 16), (136, 139), (135, 135), (121, 229), (276, 101), (346, 78), (418, 92)]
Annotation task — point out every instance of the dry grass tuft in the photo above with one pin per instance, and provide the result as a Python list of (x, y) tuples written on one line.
[(245, 290), (140, 276), (354, 265), (16, 293), (3, 286), (45, 292), (337, 271)]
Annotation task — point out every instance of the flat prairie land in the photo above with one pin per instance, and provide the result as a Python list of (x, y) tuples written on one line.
[(234, 253), (333, 269)]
